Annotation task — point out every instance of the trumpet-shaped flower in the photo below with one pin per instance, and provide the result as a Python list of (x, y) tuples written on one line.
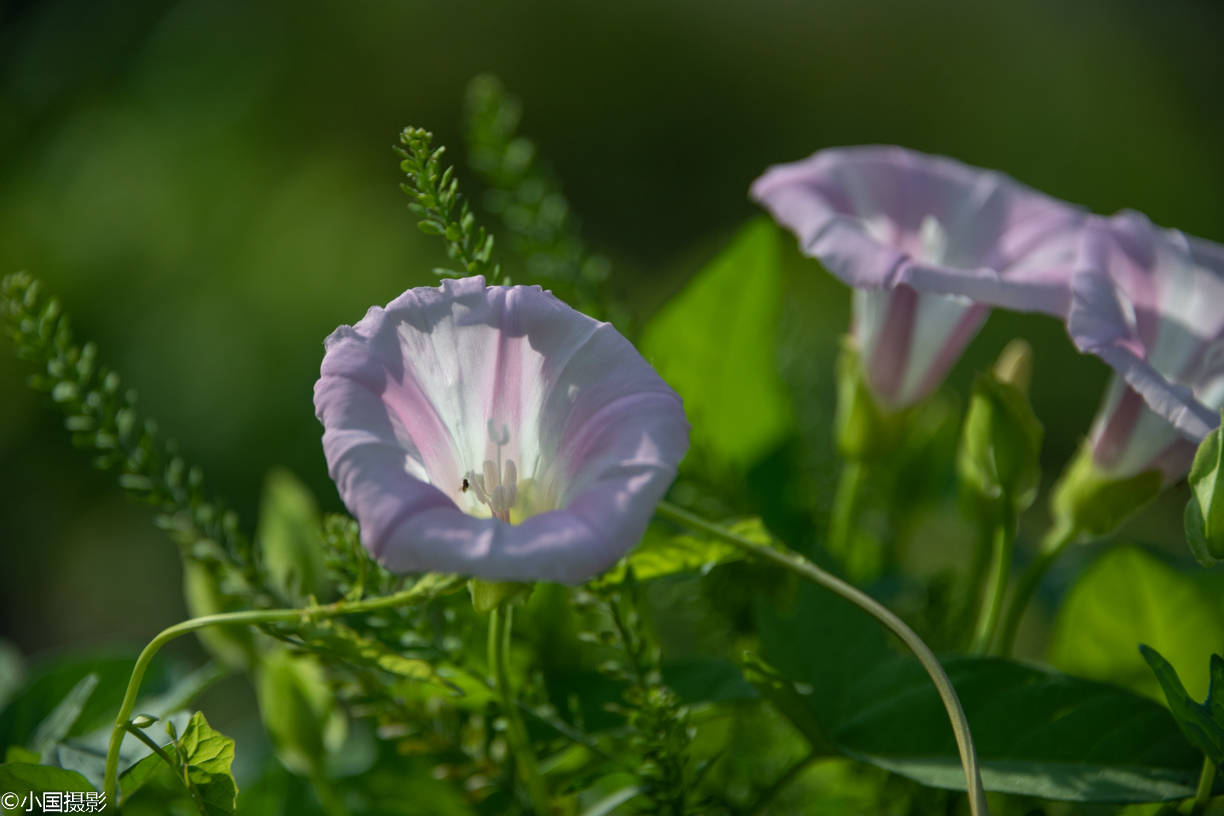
[(1150, 303), (495, 432), (929, 244)]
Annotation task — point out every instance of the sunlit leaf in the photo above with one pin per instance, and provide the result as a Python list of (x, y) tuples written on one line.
[(660, 554), (715, 343), (201, 774), (1129, 597)]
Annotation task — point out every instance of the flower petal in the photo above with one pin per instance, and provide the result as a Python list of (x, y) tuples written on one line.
[(862, 212), (445, 379), (1148, 302)]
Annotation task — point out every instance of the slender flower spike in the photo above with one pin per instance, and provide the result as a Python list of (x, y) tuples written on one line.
[(929, 244), (495, 432), (1150, 303)]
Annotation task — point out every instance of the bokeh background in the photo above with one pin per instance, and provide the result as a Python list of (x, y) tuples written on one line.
[(210, 188)]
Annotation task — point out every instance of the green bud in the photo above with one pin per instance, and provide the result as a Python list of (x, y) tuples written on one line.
[(488, 595), (143, 720), (231, 646), (1093, 503), (862, 429), (998, 459), (298, 710), (290, 537), (1205, 510)]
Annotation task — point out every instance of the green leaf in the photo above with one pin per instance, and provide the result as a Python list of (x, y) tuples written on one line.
[(50, 683), (21, 779), (202, 773), (61, 719), (715, 344), (1202, 723), (298, 709), (694, 681), (15, 753), (1129, 597), (1038, 732), (145, 771), (290, 536), (332, 638), (231, 646), (208, 756), (661, 555), (1205, 510)]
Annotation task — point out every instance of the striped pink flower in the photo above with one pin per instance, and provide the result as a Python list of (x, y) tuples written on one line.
[(929, 244), (1150, 302), (495, 432)]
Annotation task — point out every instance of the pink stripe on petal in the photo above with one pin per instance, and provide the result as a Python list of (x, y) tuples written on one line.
[(891, 349), (953, 346)]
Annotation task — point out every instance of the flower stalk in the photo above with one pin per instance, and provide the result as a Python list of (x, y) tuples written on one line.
[(1203, 793), (1056, 540), (796, 563), (501, 623), (1002, 544)]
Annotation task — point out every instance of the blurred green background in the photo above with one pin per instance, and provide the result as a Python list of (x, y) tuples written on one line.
[(210, 188)]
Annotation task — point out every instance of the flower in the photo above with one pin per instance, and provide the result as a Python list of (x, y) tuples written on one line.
[(1150, 303), (495, 432), (928, 244)]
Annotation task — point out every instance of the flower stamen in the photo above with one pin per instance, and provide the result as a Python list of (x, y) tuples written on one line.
[(496, 491)]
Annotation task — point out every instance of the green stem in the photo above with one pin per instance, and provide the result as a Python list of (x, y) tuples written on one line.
[(799, 565), (1052, 546), (501, 622), (843, 519), (1003, 539), (154, 747), (247, 618), (1203, 794)]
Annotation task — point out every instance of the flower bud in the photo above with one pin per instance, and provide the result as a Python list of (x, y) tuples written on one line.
[(1205, 510), (1092, 502), (862, 429), (488, 595), (1001, 439)]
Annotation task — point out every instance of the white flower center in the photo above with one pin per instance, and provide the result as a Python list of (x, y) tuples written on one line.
[(497, 491), (496, 486)]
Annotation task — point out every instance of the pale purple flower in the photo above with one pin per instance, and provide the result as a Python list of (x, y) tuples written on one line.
[(1150, 302), (929, 244), (495, 432)]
